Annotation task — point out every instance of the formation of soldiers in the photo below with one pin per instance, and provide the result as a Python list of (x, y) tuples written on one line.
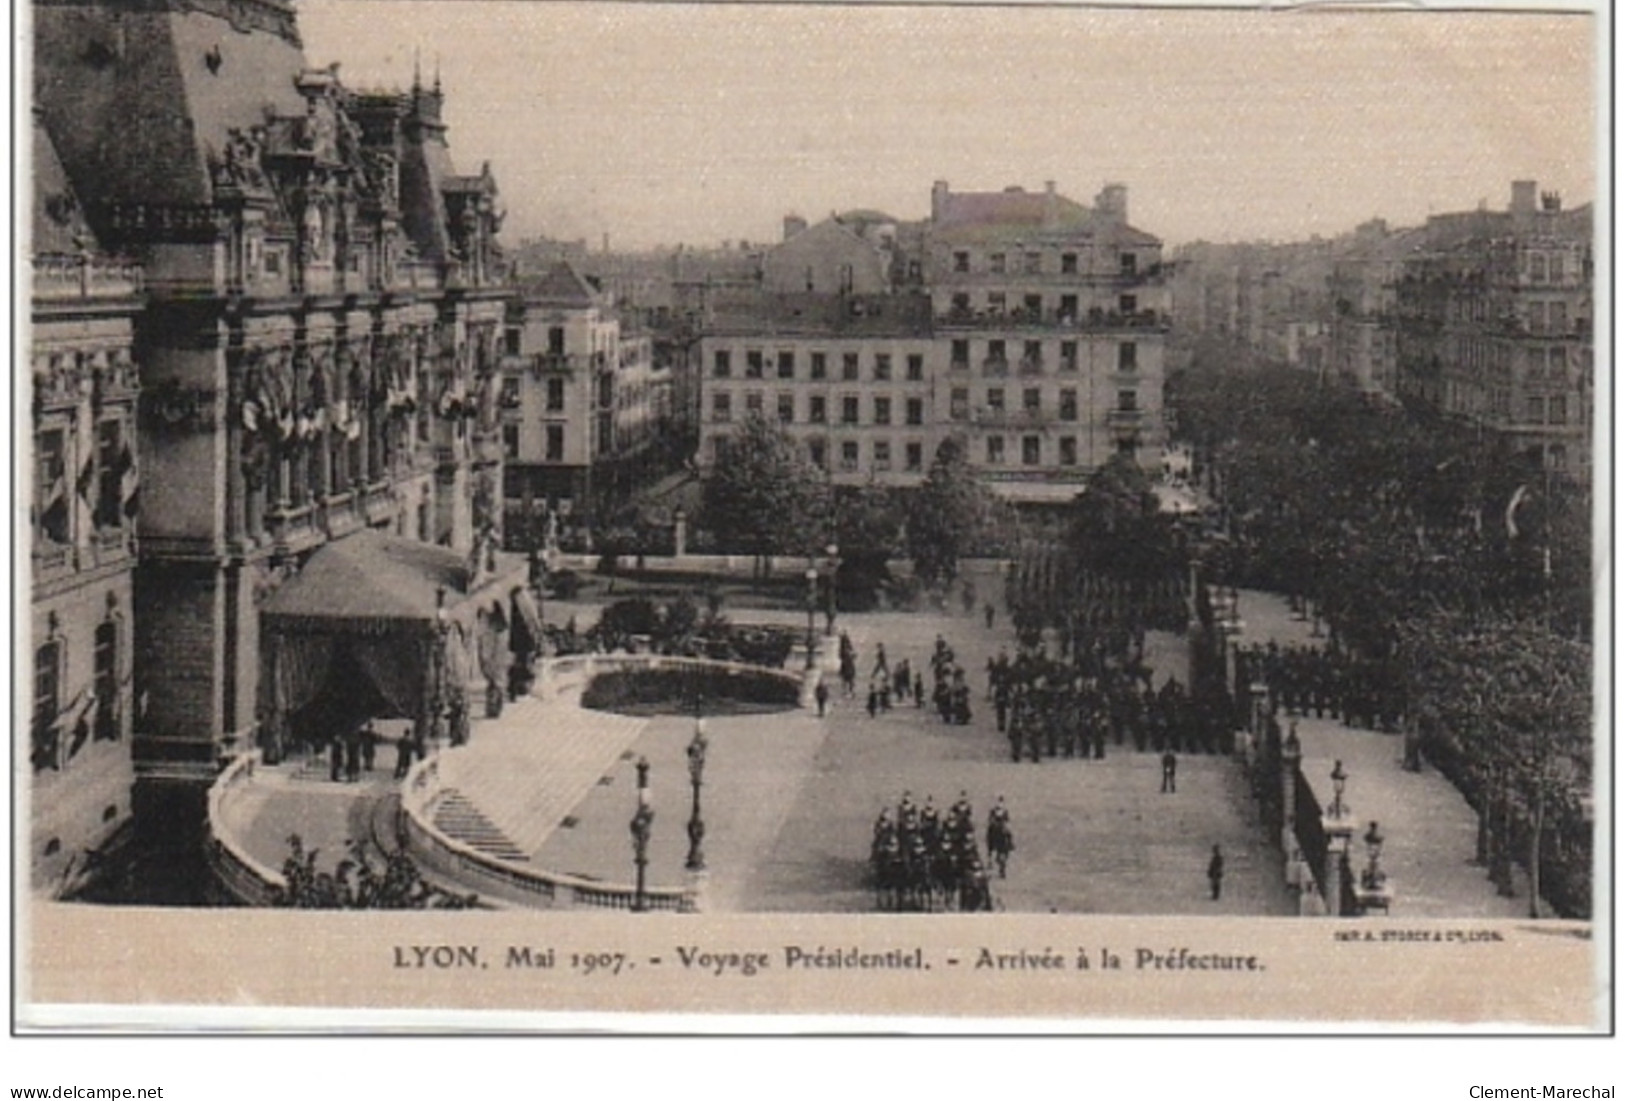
[(1051, 708), (925, 860), (1324, 681)]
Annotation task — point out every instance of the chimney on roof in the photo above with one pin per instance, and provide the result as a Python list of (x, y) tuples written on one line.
[(1112, 203), (1052, 214), (1551, 202), (794, 224), (1523, 197), (939, 200)]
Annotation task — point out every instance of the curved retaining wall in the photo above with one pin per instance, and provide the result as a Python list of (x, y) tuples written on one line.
[(243, 877)]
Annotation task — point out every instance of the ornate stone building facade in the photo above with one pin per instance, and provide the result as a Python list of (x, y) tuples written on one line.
[(83, 539), (319, 341)]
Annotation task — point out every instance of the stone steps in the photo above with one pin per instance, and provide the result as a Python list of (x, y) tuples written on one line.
[(525, 771), (461, 820)]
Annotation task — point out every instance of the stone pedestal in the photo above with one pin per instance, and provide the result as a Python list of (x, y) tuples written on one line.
[(699, 883)]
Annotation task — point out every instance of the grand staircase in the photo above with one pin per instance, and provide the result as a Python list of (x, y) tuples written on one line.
[(510, 787)]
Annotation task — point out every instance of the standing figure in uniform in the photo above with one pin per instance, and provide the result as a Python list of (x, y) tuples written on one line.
[(1215, 871)]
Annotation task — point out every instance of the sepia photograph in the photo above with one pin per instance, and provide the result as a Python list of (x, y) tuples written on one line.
[(840, 517)]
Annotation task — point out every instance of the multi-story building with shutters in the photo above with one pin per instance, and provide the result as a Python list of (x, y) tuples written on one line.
[(1031, 324)]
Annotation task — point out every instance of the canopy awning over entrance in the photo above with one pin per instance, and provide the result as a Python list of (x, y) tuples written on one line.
[(386, 626)]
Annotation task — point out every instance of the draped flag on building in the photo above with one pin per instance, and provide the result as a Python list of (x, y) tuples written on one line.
[(129, 483), (1518, 498)]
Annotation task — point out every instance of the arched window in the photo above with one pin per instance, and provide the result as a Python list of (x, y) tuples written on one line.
[(105, 726)]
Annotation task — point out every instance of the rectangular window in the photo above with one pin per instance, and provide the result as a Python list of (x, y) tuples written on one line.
[(995, 263), (1032, 353), (819, 368), (1557, 267), (914, 411), (1128, 400), (995, 451), (849, 409), (555, 395), (1069, 450), (1127, 356), (513, 341), (882, 455), (1558, 317), (508, 397), (112, 462), (1031, 399), (787, 365), (959, 356), (555, 443), (1032, 263), (817, 409), (722, 365), (1069, 308), (1069, 263), (1557, 409), (787, 408), (1029, 451), (995, 351), (753, 403), (882, 367), (1128, 263), (1032, 307), (1535, 408), (959, 403), (815, 452), (510, 441), (916, 368), (962, 261), (1069, 404), (913, 457), (51, 486), (849, 367), (47, 706), (1069, 355), (849, 455), (722, 407), (555, 341), (1537, 267), (883, 410), (1557, 366), (996, 303), (753, 364), (1128, 305), (105, 680), (995, 399), (959, 306)]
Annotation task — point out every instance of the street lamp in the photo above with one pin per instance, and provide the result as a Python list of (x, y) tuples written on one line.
[(1373, 847), (1339, 779), (833, 553), (696, 777), (812, 606), (642, 819)]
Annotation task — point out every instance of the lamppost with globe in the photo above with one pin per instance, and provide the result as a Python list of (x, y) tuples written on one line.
[(696, 778), (812, 607), (1339, 780), (642, 821), (833, 553), (1374, 875)]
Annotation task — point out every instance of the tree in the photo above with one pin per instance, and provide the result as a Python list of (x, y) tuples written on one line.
[(868, 530), (948, 512), (764, 496), (357, 883)]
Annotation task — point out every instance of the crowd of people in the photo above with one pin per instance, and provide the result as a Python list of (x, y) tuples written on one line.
[(923, 859)]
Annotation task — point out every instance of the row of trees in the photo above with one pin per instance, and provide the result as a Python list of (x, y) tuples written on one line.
[(1436, 549), (767, 498)]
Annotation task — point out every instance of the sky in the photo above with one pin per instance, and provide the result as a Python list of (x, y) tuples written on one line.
[(699, 123)]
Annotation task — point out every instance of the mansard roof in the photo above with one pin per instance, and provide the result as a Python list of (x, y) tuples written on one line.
[(561, 285), (58, 223)]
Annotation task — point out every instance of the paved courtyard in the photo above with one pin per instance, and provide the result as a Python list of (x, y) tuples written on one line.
[(789, 800)]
